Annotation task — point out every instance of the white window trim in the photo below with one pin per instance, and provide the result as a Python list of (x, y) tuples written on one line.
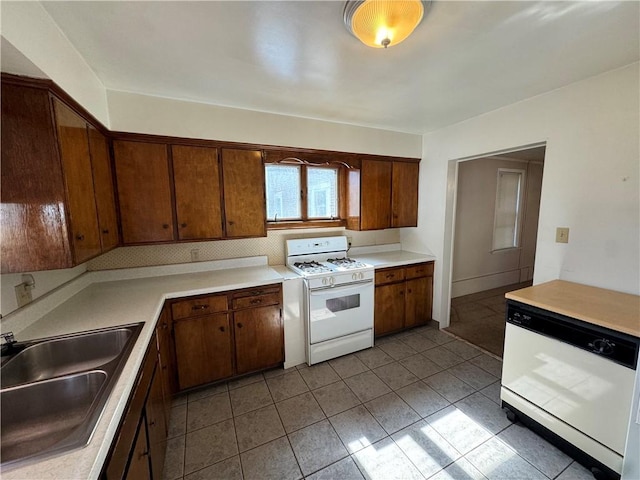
[(519, 214)]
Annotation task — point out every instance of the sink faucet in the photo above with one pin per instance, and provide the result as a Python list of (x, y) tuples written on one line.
[(9, 338)]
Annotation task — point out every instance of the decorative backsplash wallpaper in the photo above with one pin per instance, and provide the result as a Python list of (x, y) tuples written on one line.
[(273, 246)]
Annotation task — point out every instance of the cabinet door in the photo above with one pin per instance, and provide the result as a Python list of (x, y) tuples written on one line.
[(404, 201), (389, 308), (418, 301), (375, 195), (33, 230), (245, 206), (156, 425), (167, 358), (259, 338), (103, 186), (203, 349), (139, 464), (197, 182), (144, 192), (81, 202)]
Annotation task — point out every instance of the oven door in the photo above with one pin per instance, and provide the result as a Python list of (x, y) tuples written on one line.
[(337, 311)]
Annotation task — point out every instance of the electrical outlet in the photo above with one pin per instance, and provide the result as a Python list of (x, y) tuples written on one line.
[(195, 255), (562, 235), (23, 294), (350, 241)]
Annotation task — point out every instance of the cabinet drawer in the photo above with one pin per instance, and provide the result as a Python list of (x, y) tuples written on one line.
[(257, 300), (199, 306), (420, 270), (389, 275), (252, 292)]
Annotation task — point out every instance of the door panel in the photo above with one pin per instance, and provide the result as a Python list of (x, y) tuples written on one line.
[(375, 195), (418, 303), (144, 191), (404, 202), (389, 308), (196, 177), (259, 338), (74, 149), (244, 193)]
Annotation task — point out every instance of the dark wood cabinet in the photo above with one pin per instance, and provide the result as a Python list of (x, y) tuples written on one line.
[(382, 194), (227, 334), (403, 297), (49, 215), (73, 140), (196, 175), (144, 191), (404, 194), (166, 357), (203, 349), (244, 193), (157, 423), (104, 191), (139, 467)]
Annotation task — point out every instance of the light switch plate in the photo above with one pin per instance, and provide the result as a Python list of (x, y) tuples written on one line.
[(562, 235), (23, 294)]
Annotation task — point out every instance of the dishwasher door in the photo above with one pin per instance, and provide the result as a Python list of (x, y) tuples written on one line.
[(588, 392)]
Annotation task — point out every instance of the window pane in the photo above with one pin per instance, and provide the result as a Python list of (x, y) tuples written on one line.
[(322, 192), (283, 192), (508, 204)]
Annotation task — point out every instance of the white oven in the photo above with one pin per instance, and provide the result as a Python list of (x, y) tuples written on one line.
[(338, 299)]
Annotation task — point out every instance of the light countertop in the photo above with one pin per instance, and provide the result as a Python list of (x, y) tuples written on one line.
[(106, 304), (395, 258), (607, 308)]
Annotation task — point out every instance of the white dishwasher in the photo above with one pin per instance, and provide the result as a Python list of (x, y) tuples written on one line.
[(572, 382)]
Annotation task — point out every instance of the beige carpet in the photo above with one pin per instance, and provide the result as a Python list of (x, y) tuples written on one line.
[(479, 318)]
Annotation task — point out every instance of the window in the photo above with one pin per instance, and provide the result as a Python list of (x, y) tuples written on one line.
[(508, 213), (301, 192)]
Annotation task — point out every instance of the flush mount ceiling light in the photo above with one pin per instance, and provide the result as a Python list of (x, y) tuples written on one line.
[(383, 23)]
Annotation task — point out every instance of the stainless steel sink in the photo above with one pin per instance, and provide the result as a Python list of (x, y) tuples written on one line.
[(65, 355), (54, 391)]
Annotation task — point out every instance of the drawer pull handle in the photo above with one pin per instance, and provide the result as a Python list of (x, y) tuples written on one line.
[(255, 301), (390, 275), (199, 307), (257, 292), (165, 225), (239, 325), (80, 237), (222, 329), (105, 231), (183, 225)]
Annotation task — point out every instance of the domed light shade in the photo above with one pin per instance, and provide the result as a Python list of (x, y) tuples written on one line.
[(383, 23)]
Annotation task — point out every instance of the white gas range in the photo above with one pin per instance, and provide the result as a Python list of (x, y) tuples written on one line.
[(338, 300)]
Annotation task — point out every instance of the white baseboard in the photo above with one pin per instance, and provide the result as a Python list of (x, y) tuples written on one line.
[(487, 282)]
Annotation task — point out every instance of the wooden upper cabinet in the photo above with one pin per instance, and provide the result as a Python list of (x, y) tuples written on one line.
[(404, 199), (33, 229), (103, 186), (196, 176), (375, 195), (244, 193), (144, 192)]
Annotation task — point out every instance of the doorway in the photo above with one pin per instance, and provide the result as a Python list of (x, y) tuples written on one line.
[(497, 206)]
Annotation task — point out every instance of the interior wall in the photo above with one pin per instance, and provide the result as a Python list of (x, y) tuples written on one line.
[(30, 29), (590, 183), (475, 266), (132, 112)]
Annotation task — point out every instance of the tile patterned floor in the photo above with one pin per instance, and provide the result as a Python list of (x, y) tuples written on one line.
[(480, 317), (421, 404)]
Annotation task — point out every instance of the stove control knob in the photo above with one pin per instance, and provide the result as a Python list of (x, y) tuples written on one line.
[(360, 276), (354, 276), (332, 280), (325, 281)]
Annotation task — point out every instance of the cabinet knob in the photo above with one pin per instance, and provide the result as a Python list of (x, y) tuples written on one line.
[(390, 275), (105, 231), (164, 325), (152, 423), (222, 329), (199, 307), (183, 225), (80, 237), (239, 325), (409, 291), (165, 225), (144, 454), (231, 222)]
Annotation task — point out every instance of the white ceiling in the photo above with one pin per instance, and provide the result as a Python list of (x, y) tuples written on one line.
[(296, 57)]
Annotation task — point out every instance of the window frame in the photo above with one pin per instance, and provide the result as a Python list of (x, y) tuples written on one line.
[(312, 222), (520, 200)]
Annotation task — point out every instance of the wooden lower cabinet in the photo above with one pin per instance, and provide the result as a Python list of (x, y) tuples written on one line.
[(259, 342), (138, 450), (227, 334), (203, 349), (403, 298)]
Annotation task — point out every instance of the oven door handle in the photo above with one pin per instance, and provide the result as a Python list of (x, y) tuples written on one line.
[(344, 286)]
